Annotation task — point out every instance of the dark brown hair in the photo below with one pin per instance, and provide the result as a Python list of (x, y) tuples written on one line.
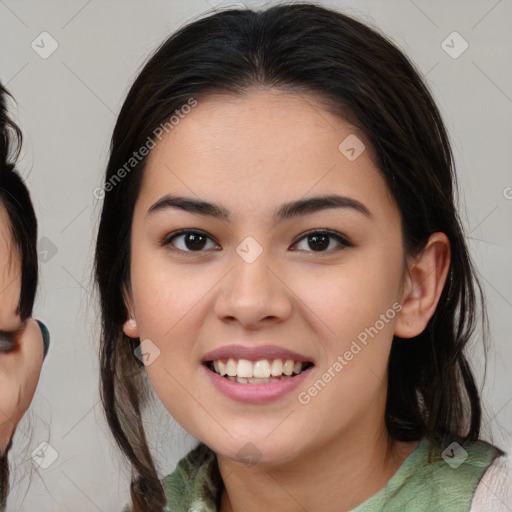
[(362, 77), (15, 198)]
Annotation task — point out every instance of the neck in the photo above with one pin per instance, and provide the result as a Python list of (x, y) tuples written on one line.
[(346, 470)]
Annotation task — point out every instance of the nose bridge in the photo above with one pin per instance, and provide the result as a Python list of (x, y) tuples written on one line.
[(253, 291), (251, 269)]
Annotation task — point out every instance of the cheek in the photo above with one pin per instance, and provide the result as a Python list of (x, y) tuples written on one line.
[(347, 298), (162, 291), (170, 302)]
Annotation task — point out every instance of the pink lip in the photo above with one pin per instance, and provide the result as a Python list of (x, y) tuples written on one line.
[(254, 353), (256, 393)]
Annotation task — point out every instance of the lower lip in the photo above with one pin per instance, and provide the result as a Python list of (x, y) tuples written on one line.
[(256, 393)]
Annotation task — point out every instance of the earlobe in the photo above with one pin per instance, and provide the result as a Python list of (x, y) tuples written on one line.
[(405, 326), (130, 328), (425, 278)]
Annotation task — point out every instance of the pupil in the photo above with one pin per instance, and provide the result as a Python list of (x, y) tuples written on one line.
[(197, 243), (320, 245)]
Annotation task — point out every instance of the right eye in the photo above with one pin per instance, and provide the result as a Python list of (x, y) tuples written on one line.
[(193, 241)]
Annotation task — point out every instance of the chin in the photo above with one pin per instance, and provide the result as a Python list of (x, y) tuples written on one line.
[(252, 451)]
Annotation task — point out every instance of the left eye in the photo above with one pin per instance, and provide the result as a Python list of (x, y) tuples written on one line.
[(195, 241), (319, 240)]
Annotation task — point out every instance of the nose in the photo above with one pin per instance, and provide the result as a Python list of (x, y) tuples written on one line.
[(254, 293)]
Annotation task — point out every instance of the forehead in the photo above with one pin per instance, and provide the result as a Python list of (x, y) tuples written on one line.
[(261, 148)]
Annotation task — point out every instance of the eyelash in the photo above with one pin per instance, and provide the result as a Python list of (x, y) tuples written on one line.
[(331, 234)]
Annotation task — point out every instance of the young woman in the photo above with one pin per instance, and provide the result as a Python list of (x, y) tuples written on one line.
[(280, 259), (24, 341)]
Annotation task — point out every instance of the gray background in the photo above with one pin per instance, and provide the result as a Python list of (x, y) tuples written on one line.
[(67, 106)]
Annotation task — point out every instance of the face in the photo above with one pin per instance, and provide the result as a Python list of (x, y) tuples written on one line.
[(313, 296), (19, 368)]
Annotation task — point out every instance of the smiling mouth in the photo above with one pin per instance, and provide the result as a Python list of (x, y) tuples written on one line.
[(262, 371)]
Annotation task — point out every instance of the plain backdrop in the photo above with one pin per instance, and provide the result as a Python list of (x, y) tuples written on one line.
[(67, 104)]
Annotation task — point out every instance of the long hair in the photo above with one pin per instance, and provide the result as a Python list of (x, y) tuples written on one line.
[(15, 198), (364, 78)]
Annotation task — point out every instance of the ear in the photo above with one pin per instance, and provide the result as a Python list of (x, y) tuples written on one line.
[(130, 326), (424, 283)]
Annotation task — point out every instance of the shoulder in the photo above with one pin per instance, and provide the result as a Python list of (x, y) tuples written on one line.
[(194, 483), (437, 476), (494, 491)]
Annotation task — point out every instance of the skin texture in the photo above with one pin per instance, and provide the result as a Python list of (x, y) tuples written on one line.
[(251, 154), (21, 367)]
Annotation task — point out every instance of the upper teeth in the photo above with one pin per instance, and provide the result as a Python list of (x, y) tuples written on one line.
[(261, 369)]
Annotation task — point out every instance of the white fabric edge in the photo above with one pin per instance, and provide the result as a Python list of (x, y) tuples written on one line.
[(494, 491)]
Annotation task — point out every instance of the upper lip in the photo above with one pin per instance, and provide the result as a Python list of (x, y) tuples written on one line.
[(254, 353)]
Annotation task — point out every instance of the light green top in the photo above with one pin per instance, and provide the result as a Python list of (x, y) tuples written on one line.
[(447, 484), (417, 486)]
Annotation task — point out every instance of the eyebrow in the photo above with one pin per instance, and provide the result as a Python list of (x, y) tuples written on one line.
[(286, 211)]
